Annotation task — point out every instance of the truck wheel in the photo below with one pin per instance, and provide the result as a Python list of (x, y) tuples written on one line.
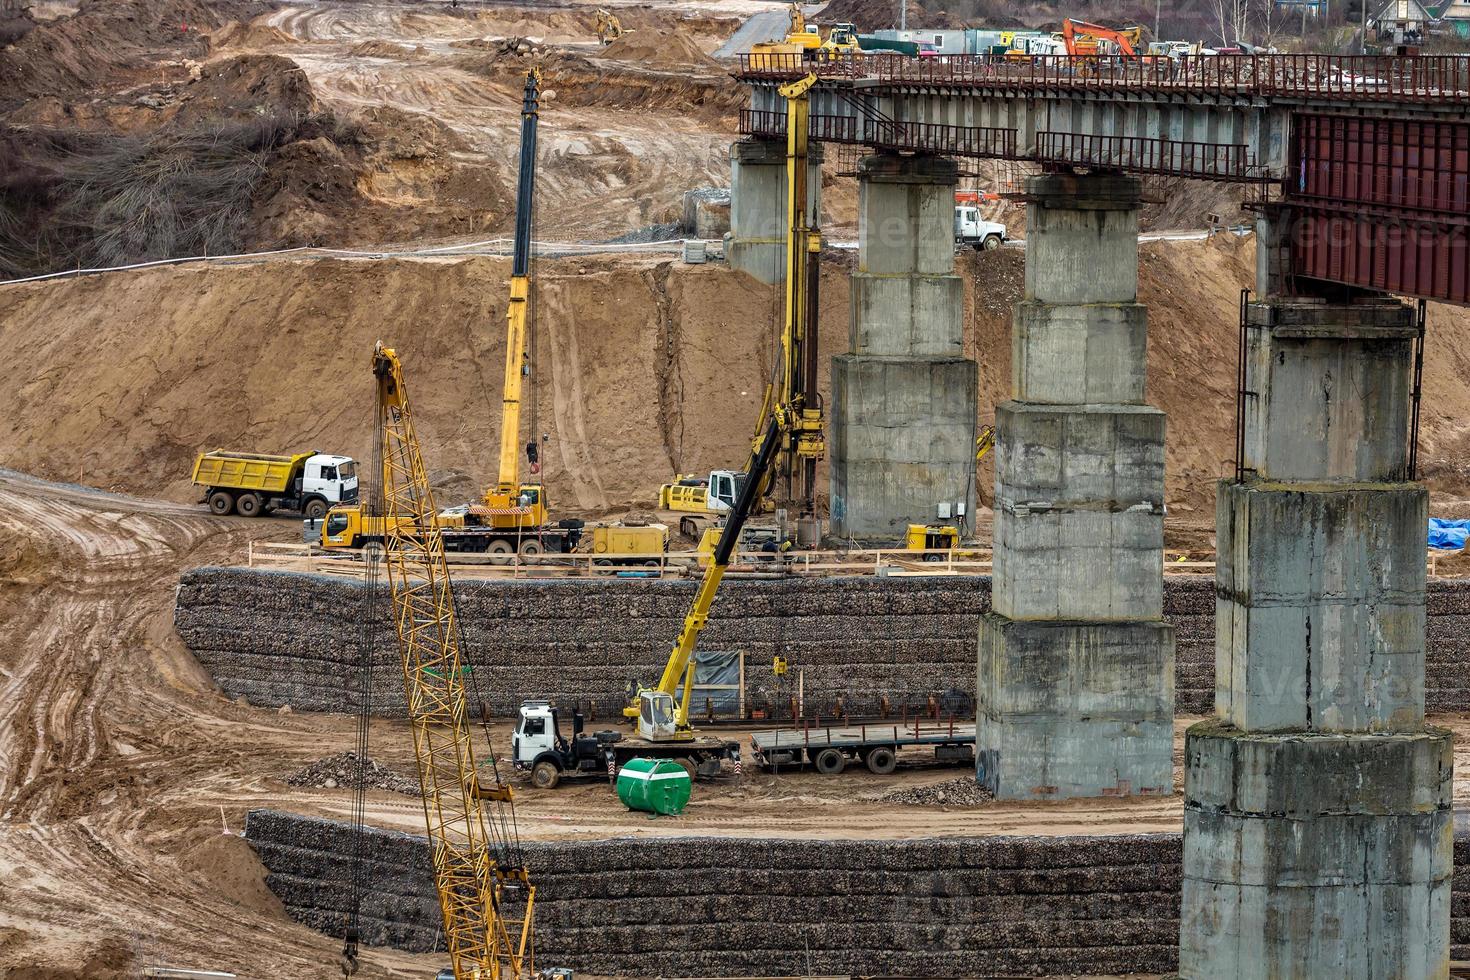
[(991, 243), (221, 503), (690, 766), (881, 761), (249, 505), (933, 557), (500, 551), (530, 550), (545, 775), (316, 509), (830, 762)]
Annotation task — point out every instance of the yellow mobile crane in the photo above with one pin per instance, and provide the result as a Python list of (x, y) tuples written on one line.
[(479, 873), (791, 429), (512, 515)]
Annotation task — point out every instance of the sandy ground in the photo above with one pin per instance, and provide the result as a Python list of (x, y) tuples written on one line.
[(120, 766), (607, 163)]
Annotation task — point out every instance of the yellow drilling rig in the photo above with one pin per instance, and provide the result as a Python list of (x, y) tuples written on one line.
[(789, 440)]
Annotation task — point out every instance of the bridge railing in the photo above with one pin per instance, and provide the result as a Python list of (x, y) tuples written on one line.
[(1423, 78), (1138, 154), (968, 141)]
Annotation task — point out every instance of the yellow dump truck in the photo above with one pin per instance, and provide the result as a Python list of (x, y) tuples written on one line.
[(252, 484)]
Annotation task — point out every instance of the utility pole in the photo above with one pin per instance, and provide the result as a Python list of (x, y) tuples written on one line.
[(903, 15), (1157, 4)]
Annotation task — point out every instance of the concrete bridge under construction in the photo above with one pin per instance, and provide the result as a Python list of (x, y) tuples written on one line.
[(1317, 802)]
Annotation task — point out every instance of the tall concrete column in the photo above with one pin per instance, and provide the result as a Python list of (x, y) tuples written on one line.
[(904, 396), (756, 242), (1075, 680), (1317, 821)]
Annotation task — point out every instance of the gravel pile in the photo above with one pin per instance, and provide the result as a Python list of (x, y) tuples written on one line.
[(963, 791), (340, 770)]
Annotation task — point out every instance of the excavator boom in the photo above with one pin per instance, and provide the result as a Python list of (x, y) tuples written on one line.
[(478, 871)]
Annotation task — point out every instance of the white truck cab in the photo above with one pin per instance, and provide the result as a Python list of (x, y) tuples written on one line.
[(534, 735), (334, 478), (970, 229)]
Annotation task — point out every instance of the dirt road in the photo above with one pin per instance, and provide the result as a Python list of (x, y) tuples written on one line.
[(116, 758)]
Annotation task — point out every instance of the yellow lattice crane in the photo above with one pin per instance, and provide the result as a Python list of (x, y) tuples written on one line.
[(485, 891)]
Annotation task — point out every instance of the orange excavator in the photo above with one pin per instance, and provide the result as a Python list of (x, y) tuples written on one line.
[(1082, 38)]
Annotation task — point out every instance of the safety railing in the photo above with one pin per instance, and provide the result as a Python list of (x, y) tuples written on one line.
[(967, 141), (1138, 154), (892, 562), (768, 122), (1423, 78)]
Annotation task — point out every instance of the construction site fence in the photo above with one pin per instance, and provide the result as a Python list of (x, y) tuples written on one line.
[(896, 562), (1423, 78)]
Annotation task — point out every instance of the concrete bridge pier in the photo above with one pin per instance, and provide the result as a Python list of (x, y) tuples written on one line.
[(1317, 821), (1075, 679), (756, 242), (904, 397)]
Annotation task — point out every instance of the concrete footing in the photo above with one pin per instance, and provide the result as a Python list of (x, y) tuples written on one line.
[(1318, 815), (1074, 686), (756, 242), (904, 396)]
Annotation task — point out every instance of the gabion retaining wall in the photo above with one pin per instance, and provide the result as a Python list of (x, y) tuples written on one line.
[(737, 906), (288, 638)]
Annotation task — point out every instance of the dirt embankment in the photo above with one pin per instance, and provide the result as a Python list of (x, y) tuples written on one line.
[(642, 367)]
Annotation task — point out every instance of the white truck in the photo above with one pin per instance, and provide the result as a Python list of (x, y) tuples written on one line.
[(539, 747), (970, 229)]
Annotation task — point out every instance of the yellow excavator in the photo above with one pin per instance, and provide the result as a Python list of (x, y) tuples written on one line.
[(609, 28), (791, 428), (485, 892), (804, 40)]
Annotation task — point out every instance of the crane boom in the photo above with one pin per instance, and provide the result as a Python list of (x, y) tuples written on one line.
[(790, 423), (478, 869), (518, 310)]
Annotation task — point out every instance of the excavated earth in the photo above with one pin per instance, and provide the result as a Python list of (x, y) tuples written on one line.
[(127, 772)]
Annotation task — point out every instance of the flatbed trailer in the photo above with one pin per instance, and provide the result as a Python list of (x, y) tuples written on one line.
[(829, 748)]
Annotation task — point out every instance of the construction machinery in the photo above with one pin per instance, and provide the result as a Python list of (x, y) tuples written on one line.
[(608, 28), (805, 40), (625, 543), (791, 430), (1084, 39), (251, 484), (485, 892), (512, 516), (932, 540)]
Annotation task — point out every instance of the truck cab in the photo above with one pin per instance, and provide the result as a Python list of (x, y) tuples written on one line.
[(538, 745), (333, 478), (970, 229)]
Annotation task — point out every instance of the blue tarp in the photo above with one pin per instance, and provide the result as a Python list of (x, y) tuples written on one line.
[(1448, 534)]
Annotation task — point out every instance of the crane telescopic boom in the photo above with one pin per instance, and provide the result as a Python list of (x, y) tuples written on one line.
[(479, 872), (518, 310)]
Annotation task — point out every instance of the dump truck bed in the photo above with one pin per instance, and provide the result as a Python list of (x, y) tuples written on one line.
[(247, 471)]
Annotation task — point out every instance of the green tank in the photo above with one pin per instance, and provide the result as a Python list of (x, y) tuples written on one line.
[(654, 786)]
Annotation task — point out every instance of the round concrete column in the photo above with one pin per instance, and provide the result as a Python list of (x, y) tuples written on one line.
[(757, 240)]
